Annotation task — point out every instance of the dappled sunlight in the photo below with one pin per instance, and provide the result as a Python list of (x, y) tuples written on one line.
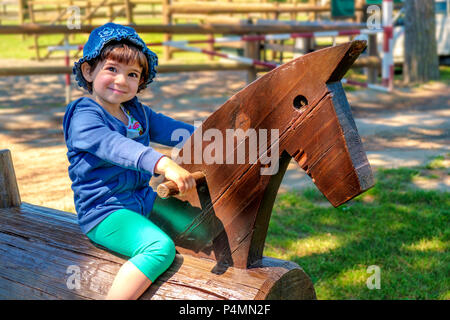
[(314, 245), (428, 132), (427, 183), (378, 142), (294, 249), (356, 276), (328, 221), (427, 245), (401, 120), (400, 158)]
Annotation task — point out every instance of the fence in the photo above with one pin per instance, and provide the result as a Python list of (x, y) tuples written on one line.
[(254, 38)]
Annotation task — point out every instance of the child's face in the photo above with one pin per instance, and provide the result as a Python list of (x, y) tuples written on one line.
[(113, 82)]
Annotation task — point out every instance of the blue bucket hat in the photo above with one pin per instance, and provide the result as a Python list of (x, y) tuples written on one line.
[(100, 36)]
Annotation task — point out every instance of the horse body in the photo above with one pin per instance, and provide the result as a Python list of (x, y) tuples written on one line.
[(304, 101)]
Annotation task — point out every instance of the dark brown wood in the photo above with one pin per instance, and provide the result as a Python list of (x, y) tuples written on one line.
[(9, 190), (305, 101), (44, 255)]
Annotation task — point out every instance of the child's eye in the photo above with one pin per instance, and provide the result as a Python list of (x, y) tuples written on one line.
[(133, 74), (112, 69)]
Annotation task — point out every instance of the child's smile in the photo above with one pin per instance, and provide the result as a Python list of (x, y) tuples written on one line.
[(115, 82)]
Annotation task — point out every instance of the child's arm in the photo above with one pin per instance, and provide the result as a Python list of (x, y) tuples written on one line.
[(162, 127), (172, 171), (89, 133)]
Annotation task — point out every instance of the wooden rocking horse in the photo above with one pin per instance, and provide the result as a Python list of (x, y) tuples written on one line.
[(305, 102), (221, 229)]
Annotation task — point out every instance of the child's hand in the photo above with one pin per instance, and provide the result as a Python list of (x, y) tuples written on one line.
[(172, 171)]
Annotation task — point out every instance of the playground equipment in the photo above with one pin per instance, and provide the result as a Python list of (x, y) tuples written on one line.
[(220, 246)]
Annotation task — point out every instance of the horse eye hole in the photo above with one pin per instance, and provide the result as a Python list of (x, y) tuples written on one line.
[(300, 102)]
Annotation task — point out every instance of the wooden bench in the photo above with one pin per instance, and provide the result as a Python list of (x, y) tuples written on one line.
[(44, 255)]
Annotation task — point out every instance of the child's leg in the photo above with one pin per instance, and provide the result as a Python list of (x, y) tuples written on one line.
[(151, 250), (129, 284)]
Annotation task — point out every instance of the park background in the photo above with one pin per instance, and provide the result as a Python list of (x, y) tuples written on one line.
[(400, 225)]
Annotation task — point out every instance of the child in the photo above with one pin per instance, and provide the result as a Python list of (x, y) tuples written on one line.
[(111, 163)]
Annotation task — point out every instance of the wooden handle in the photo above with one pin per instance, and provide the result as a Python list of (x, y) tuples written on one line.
[(170, 188)]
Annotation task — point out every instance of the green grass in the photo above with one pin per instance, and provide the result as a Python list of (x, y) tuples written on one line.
[(445, 74), (402, 230), (436, 163)]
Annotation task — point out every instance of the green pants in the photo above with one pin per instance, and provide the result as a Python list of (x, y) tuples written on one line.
[(132, 235), (149, 243)]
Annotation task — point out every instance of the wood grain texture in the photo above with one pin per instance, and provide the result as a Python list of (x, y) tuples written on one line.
[(40, 248), (302, 99), (9, 190)]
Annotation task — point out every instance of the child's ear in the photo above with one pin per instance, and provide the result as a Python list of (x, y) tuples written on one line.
[(86, 70)]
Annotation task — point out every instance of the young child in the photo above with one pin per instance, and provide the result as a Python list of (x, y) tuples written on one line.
[(111, 162)]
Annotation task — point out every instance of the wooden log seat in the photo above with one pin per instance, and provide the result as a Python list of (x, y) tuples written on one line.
[(44, 255)]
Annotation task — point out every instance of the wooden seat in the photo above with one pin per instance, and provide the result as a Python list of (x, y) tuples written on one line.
[(44, 255)]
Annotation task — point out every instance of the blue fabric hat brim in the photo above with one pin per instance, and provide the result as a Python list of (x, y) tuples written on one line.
[(100, 36)]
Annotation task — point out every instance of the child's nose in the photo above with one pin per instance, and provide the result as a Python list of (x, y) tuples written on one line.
[(121, 78)]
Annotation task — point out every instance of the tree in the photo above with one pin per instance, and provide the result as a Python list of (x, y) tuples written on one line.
[(421, 62)]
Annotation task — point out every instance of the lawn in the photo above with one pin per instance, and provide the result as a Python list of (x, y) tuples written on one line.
[(394, 226)]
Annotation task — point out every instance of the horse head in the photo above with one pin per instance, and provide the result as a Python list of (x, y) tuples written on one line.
[(298, 110)]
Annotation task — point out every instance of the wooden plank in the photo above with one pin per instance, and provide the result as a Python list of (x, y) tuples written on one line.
[(163, 68), (9, 190), (40, 249), (33, 28)]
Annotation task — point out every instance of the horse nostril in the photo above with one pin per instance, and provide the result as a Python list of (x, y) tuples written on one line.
[(300, 102)]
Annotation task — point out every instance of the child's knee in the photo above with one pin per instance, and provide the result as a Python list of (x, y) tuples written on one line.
[(155, 257), (167, 248)]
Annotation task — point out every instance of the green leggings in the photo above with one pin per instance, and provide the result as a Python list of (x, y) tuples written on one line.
[(130, 234)]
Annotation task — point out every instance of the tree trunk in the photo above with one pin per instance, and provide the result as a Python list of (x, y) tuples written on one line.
[(421, 59)]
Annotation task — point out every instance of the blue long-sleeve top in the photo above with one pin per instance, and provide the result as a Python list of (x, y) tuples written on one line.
[(108, 170)]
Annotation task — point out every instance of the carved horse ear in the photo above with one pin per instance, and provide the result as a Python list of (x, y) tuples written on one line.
[(331, 64), (355, 48)]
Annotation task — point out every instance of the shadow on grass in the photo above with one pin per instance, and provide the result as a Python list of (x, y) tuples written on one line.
[(401, 230)]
